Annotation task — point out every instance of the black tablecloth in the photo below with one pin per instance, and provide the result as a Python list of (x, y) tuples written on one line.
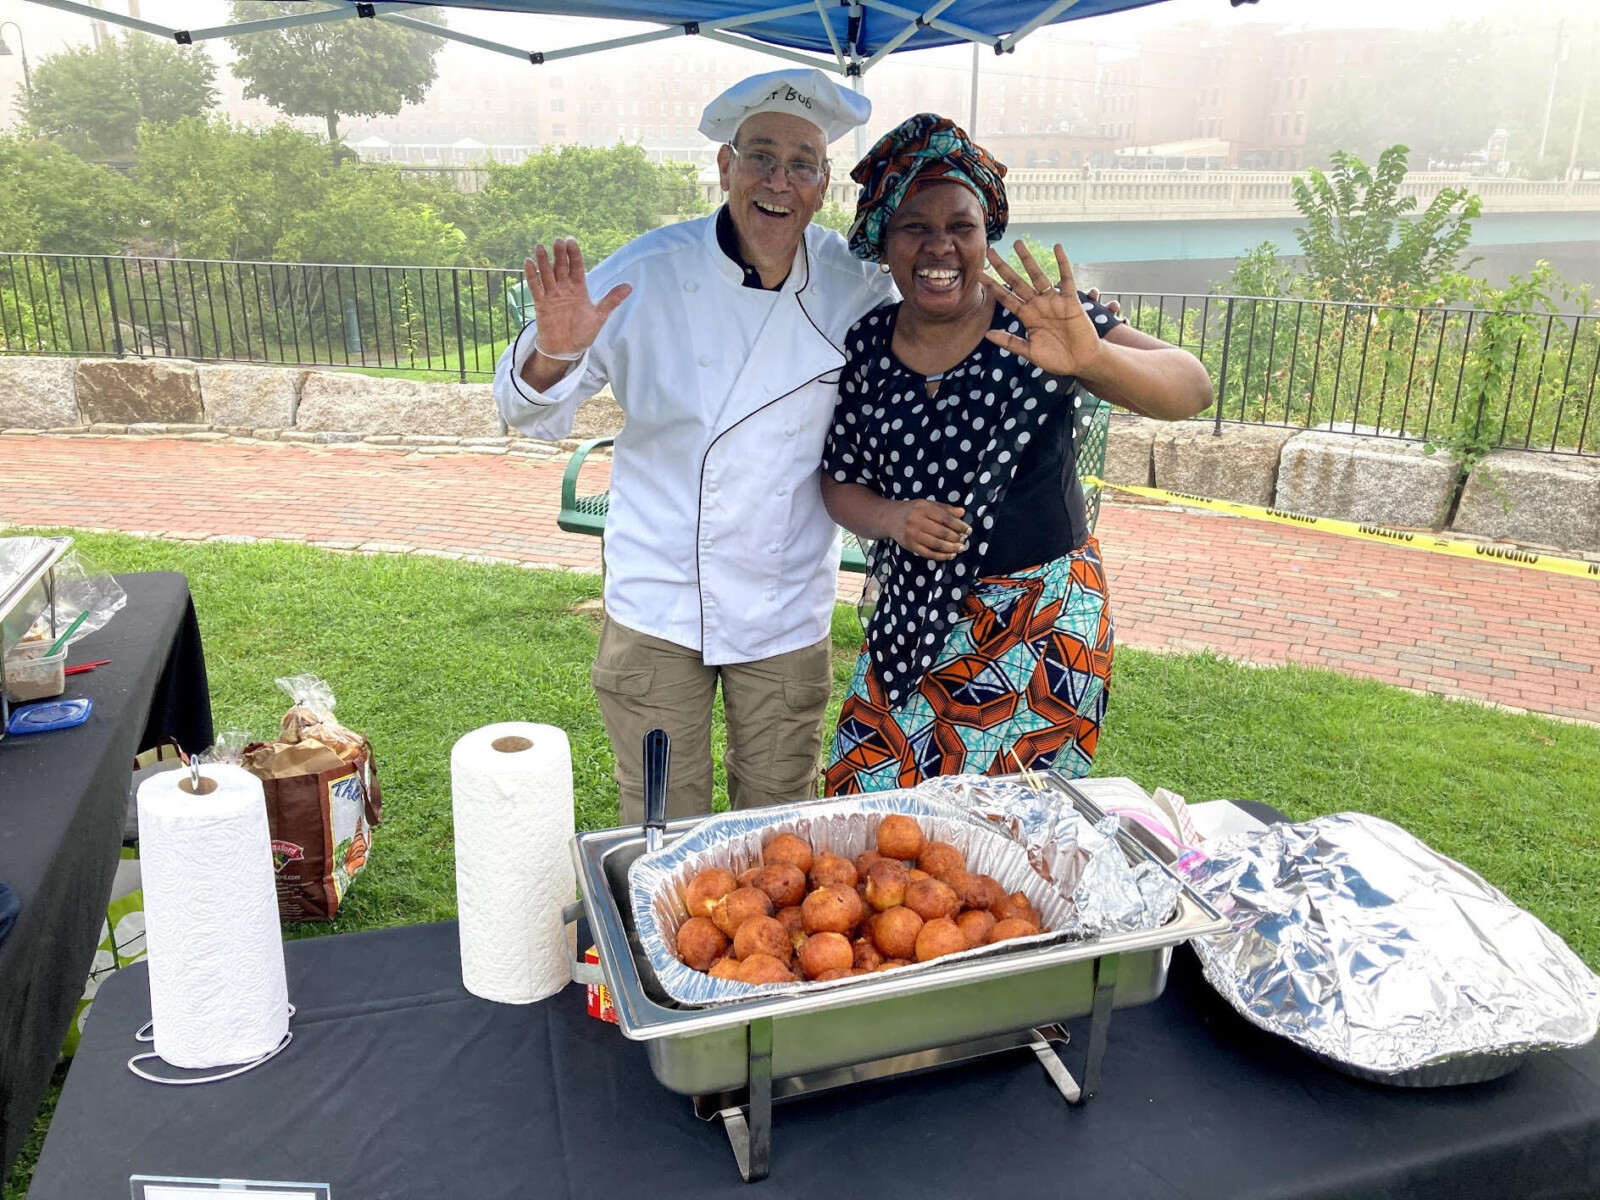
[(399, 1084), (63, 797)]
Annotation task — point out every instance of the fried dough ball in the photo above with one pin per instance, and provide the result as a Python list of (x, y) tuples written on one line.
[(725, 968), (791, 920), (706, 888), (782, 882), (915, 874), (763, 968), (1017, 907), (831, 910), (1011, 927), (830, 976), (747, 877), (890, 964), (974, 891), (786, 848), (737, 907), (867, 957), (939, 937), (930, 899), (976, 925), (899, 837), (940, 859), (895, 931), (886, 883), (833, 870), (826, 952), (864, 862), (700, 943), (763, 935)]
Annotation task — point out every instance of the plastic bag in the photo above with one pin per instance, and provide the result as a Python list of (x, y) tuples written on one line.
[(81, 586), (311, 718)]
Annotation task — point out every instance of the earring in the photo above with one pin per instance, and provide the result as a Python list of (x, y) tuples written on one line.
[(884, 267)]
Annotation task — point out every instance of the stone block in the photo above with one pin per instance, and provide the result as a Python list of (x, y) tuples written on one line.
[(1239, 464), (250, 396), (1128, 442), (1380, 481), (1545, 499), (348, 403), (38, 393), (129, 391), (597, 417)]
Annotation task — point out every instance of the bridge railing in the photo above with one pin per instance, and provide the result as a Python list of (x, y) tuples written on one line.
[(1523, 380)]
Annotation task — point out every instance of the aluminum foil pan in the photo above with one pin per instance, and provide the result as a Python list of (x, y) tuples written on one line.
[(1083, 860), (846, 826), (1384, 958)]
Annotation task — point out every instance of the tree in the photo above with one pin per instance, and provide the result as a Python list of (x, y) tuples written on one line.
[(94, 99), (217, 190), (345, 68), (54, 202), (1356, 238), (602, 195), (373, 215)]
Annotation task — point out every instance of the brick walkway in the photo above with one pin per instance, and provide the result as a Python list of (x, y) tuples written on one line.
[(1180, 579)]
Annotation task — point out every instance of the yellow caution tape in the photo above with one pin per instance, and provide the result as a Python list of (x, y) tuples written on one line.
[(1370, 533)]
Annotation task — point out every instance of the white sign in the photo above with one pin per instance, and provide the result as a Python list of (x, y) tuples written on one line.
[(151, 1187)]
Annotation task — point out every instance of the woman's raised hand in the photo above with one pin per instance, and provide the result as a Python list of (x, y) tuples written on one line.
[(567, 321), (930, 529), (1061, 338)]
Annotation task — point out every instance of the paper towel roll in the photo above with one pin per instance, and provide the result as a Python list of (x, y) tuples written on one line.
[(511, 791), (217, 989)]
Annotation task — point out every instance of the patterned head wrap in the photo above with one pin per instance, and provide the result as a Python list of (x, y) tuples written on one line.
[(922, 148)]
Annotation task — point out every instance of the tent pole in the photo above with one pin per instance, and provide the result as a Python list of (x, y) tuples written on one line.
[(972, 121), (856, 82), (1043, 17), (116, 18)]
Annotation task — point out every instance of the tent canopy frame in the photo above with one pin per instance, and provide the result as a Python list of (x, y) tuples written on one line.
[(848, 59)]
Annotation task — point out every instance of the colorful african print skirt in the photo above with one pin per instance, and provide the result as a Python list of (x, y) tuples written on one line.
[(1025, 668)]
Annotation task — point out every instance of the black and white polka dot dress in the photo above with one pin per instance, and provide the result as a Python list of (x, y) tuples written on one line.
[(961, 446)]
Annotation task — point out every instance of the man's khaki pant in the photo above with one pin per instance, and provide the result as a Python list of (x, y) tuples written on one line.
[(773, 708)]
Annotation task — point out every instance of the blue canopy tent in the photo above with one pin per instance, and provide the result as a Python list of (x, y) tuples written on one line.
[(847, 37)]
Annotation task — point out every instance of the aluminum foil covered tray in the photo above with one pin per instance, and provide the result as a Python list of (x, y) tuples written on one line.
[(1384, 958), (845, 826)]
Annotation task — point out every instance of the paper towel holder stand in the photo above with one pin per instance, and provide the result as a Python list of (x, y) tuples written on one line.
[(147, 1034)]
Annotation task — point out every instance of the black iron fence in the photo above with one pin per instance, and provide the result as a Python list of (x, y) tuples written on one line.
[(1441, 375), (442, 321), (1453, 376)]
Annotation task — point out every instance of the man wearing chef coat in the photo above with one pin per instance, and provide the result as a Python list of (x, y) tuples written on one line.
[(721, 339)]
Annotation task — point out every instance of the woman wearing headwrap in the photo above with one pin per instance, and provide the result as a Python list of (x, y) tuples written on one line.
[(953, 446)]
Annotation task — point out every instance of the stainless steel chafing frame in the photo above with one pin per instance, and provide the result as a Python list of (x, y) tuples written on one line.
[(746, 1111), (42, 567)]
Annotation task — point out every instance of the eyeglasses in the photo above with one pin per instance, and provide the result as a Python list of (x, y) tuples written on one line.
[(799, 172)]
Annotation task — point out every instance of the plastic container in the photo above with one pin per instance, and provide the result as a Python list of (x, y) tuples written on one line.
[(33, 675)]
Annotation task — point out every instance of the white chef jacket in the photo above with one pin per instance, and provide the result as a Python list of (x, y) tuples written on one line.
[(716, 538)]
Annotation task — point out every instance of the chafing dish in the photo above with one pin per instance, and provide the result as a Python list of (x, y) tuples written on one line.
[(735, 1058)]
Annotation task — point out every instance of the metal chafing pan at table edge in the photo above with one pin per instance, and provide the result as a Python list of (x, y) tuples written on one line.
[(734, 1058)]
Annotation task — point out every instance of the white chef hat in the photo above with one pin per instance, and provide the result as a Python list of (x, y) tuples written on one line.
[(804, 92)]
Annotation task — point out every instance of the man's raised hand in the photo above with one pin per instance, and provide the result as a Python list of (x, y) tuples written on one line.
[(566, 320)]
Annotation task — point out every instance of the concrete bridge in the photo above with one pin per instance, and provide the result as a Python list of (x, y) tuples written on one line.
[(1065, 197)]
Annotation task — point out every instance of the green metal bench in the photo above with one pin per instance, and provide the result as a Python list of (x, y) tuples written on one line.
[(587, 513)]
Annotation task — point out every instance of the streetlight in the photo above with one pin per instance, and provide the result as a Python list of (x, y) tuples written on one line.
[(27, 83)]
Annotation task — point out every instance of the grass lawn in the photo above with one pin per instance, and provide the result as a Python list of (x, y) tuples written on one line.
[(420, 651), (445, 367)]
